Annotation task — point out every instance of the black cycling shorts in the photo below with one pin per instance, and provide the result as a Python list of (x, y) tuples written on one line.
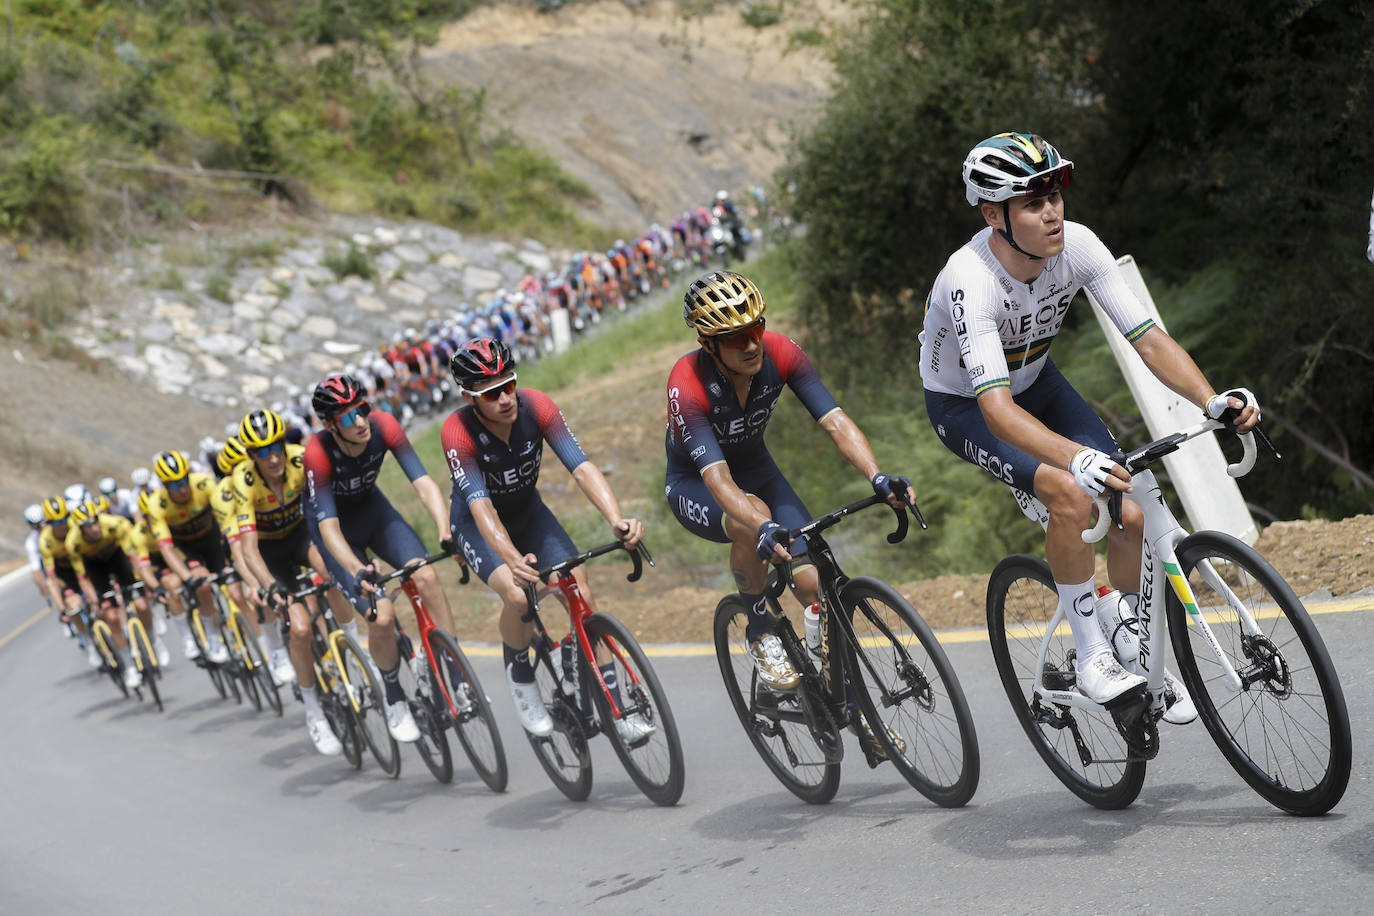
[(286, 556), (208, 551)]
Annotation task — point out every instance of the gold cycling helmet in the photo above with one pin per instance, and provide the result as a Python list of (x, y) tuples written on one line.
[(229, 456), (261, 428), (86, 513), (721, 302), (171, 466), (55, 509)]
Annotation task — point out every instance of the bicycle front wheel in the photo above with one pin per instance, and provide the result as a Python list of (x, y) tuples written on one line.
[(469, 709), (1082, 747), (418, 687), (100, 633), (910, 694), (217, 675), (645, 736), (369, 705), (1286, 730), (147, 659), (564, 754), (247, 659), (778, 724)]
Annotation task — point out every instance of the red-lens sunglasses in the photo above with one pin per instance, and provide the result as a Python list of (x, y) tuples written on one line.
[(743, 338)]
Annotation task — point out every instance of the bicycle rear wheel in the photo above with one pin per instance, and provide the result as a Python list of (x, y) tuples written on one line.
[(475, 724), (147, 660), (419, 690), (564, 754), (778, 725), (653, 760), (369, 706), (1287, 730), (100, 633), (1083, 748), (338, 712), (910, 694)]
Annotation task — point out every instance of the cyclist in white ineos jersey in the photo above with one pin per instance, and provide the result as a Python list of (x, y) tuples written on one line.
[(998, 401)]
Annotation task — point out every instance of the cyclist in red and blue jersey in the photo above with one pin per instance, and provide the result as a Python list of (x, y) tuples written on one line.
[(722, 484), (494, 447), (349, 515)]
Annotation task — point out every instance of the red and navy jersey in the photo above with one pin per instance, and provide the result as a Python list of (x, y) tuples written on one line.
[(707, 424), (336, 481), (484, 467)]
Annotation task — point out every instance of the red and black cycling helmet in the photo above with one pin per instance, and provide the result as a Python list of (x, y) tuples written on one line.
[(335, 395), (478, 361)]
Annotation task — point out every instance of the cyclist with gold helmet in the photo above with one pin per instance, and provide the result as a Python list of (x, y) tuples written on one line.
[(183, 524), (102, 556), (722, 484), (269, 490), (997, 400), (494, 447)]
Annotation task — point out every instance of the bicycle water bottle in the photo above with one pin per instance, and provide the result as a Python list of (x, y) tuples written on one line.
[(811, 623), (568, 668), (1116, 618)]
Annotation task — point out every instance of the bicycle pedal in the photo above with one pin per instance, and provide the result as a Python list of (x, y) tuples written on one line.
[(1122, 705)]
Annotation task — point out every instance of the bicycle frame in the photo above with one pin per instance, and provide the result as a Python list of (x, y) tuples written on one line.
[(1162, 533), (425, 622)]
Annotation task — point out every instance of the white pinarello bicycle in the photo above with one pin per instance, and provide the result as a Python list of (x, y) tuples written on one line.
[(1247, 651)]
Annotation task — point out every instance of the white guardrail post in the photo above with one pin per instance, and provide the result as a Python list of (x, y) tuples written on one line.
[(1198, 469)]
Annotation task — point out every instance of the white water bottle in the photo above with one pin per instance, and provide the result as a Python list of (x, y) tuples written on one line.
[(811, 624)]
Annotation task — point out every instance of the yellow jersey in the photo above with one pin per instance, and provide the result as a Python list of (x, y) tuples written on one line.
[(259, 508), (115, 534), (146, 549), (53, 550), (226, 508), (171, 521)]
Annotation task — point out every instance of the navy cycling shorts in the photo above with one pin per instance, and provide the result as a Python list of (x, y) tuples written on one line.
[(369, 525), (532, 530), (697, 510), (1050, 399)]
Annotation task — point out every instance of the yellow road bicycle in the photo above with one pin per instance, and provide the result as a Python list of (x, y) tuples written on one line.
[(140, 644), (246, 673)]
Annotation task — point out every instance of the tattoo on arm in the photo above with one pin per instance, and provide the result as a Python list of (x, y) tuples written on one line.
[(741, 579)]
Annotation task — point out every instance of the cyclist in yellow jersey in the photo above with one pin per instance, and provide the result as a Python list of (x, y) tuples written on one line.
[(102, 555), (180, 517), (245, 593), (59, 578), (270, 493)]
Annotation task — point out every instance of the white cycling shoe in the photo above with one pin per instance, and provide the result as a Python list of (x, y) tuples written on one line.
[(401, 723), (1180, 709), (634, 729), (189, 648), (322, 736), (132, 677), (529, 707), (1102, 679), (93, 655), (283, 672), (216, 650), (164, 655)]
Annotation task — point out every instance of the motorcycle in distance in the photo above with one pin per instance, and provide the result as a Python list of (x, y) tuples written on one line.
[(722, 242)]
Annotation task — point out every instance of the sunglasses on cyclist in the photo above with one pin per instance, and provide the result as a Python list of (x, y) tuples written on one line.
[(1045, 182), (360, 412), (267, 451), (182, 484), (744, 337), (495, 391)]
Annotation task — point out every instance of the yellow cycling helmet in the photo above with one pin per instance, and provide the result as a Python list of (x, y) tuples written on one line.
[(171, 467), (261, 428), (720, 302), (55, 509), (86, 513), (232, 453), (102, 503), (145, 501)]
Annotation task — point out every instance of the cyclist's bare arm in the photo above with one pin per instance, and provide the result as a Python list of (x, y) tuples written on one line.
[(252, 557), (736, 505), (1172, 365), (853, 445), (593, 484), (434, 502), (250, 581), (498, 539), (1012, 424)]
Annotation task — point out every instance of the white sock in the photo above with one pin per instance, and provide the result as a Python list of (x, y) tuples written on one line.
[(312, 703), (183, 625), (1079, 604), (271, 635)]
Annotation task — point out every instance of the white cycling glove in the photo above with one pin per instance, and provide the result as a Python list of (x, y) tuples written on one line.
[(1217, 405), (1090, 469)]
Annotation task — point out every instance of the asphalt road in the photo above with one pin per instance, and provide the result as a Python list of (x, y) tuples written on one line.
[(212, 808)]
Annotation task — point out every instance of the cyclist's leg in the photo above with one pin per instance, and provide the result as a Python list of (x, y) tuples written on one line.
[(788, 510)]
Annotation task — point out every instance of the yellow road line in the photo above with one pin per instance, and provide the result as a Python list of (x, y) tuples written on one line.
[(946, 637), (22, 627)]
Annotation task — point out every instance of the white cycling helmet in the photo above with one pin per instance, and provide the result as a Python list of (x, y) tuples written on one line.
[(208, 445), (139, 477), (107, 485), (34, 515), (1013, 164), (76, 493)]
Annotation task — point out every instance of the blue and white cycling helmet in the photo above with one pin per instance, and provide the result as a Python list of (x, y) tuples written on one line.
[(1013, 164)]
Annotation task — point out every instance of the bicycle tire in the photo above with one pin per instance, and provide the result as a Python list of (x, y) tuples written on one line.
[(213, 670), (809, 775), (1021, 602), (476, 723), (267, 685), (1275, 729), (655, 763), (369, 710), (100, 631), (917, 694), (432, 744), (338, 712), (564, 754), (248, 658), (152, 671)]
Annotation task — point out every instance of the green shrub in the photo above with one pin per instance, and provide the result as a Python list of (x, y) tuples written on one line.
[(353, 262)]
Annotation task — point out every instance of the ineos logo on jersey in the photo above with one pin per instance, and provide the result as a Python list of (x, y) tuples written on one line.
[(694, 511), (990, 463), (733, 430)]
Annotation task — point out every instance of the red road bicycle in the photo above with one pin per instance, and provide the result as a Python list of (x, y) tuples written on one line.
[(443, 691), (630, 709)]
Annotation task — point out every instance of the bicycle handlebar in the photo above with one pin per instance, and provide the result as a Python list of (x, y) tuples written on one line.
[(405, 573), (1109, 507), (639, 555)]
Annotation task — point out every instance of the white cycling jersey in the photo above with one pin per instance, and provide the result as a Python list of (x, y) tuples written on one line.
[(984, 329), (31, 548)]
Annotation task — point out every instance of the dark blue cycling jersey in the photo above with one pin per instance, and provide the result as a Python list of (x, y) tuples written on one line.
[(338, 482), (707, 424)]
